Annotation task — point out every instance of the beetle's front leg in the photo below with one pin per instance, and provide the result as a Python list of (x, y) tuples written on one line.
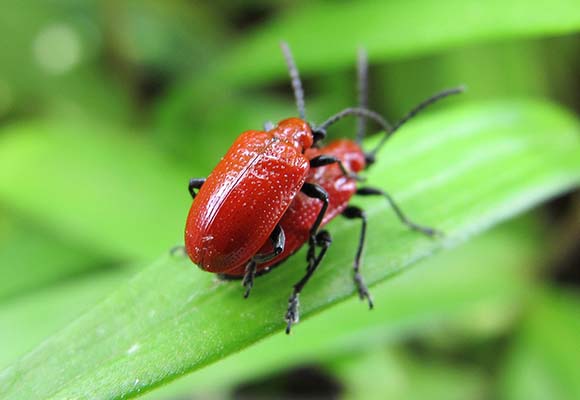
[(195, 183)]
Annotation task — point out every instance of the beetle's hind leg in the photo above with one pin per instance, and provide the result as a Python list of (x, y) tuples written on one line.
[(352, 212), (368, 191), (322, 240), (278, 240)]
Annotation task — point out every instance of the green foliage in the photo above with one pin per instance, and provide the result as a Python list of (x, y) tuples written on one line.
[(121, 198), (391, 30), (108, 108), (21, 244), (541, 363), (438, 295), (169, 320)]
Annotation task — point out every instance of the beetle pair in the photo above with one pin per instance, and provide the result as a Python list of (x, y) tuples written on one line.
[(275, 189)]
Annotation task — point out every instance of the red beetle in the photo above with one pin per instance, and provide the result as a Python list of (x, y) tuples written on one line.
[(244, 197), (274, 189)]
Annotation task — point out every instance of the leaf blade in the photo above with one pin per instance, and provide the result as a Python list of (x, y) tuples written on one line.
[(384, 30), (171, 318), (105, 192)]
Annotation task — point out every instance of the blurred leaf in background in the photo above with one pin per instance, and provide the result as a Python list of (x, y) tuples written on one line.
[(107, 108)]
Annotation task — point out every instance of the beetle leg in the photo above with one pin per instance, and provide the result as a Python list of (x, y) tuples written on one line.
[(292, 316), (249, 275), (278, 239), (324, 159), (352, 212), (195, 183), (367, 191), (316, 192)]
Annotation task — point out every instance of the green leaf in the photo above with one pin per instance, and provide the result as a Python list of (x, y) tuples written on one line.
[(543, 360), (41, 257), (112, 194), (441, 290), (390, 30), (401, 33), (490, 70), (436, 296), (463, 171), (26, 320), (380, 374)]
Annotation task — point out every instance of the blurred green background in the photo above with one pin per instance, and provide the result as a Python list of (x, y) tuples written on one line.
[(107, 108)]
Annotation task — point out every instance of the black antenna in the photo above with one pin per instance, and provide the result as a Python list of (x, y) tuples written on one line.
[(359, 112), (362, 68), (295, 79), (420, 107)]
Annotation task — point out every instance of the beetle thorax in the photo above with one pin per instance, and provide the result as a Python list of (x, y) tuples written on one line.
[(349, 152), (294, 131)]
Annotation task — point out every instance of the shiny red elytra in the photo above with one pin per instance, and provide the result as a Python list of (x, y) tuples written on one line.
[(245, 196), (274, 189)]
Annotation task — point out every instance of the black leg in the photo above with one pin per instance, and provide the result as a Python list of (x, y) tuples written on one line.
[(367, 191), (316, 192), (352, 212), (249, 275), (324, 159), (292, 316), (278, 240), (195, 183)]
